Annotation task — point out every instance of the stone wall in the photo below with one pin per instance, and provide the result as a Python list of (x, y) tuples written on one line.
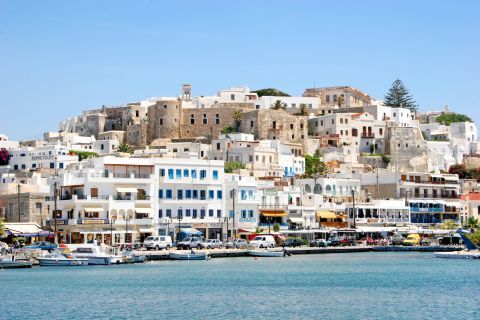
[(29, 212), (275, 125), (408, 146), (164, 120), (136, 134)]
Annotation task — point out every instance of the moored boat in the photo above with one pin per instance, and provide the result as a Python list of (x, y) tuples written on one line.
[(96, 255), (58, 259), (10, 262), (189, 255), (268, 253)]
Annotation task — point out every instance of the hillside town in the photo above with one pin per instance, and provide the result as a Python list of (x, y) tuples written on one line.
[(242, 162)]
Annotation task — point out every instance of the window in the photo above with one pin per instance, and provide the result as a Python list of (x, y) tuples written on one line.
[(217, 119), (160, 194), (170, 173), (203, 174), (180, 213), (194, 213), (193, 173), (52, 165), (188, 194), (211, 194), (218, 145), (162, 172), (161, 121), (160, 213), (192, 119), (380, 131), (178, 173), (327, 98), (205, 120), (250, 213), (168, 194), (291, 126), (210, 212), (274, 124), (341, 120), (232, 97), (244, 214), (202, 213), (251, 124), (250, 194), (333, 121), (185, 173), (169, 213), (243, 194), (180, 194), (215, 174), (203, 195), (219, 194), (219, 213), (187, 212), (334, 98), (195, 194), (94, 192)]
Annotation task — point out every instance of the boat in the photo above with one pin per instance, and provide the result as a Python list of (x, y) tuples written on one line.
[(471, 250), (268, 253), (56, 258), (189, 255), (9, 261), (96, 255)]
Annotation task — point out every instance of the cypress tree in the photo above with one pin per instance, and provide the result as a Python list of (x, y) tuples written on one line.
[(399, 96)]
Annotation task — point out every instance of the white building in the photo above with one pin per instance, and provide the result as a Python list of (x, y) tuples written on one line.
[(266, 102), (378, 212), (32, 158), (8, 144)]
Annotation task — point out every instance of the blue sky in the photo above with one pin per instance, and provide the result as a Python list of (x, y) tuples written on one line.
[(58, 58)]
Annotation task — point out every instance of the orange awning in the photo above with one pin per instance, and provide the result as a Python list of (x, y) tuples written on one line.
[(273, 213), (324, 214)]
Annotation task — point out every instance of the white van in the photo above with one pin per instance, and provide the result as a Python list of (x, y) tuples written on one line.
[(158, 242), (263, 241)]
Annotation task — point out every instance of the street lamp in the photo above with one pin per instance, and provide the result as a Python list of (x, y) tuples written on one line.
[(179, 218), (353, 209), (220, 222)]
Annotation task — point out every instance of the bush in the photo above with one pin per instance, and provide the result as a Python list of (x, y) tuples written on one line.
[(448, 118), (83, 154), (231, 166), (276, 227)]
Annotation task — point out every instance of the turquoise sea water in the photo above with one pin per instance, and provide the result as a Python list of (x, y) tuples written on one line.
[(335, 286)]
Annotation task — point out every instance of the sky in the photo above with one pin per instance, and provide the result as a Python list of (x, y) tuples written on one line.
[(58, 58)]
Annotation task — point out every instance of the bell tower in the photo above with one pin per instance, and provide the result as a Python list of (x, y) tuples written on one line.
[(186, 91)]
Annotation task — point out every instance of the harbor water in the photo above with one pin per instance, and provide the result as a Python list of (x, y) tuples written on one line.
[(370, 285)]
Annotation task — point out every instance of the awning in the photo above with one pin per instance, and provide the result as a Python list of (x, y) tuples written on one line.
[(246, 230), (296, 220), (324, 214), (96, 209), (274, 214), (127, 190), (145, 230), (451, 178), (144, 210), (25, 230)]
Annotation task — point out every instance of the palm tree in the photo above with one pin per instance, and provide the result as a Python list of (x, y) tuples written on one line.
[(340, 101), (472, 223), (303, 110), (237, 119), (448, 225), (279, 105), (125, 148)]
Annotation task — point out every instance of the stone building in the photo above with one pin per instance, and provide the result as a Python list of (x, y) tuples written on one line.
[(329, 96), (268, 124), (407, 148), (32, 206)]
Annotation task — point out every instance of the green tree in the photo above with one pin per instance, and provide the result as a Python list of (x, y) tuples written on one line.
[(448, 118), (314, 166), (231, 166), (448, 225), (237, 119), (271, 92), (302, 110), (125, 148), (229, 129), (399, 96), (278, 105), (83, 154), (472, 223), (475, 237)]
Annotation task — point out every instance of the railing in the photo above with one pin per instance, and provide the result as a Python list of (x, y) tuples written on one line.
[(425, 210), (105, 197), (368, 135), (272, 206)]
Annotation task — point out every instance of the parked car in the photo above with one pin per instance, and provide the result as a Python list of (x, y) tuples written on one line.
[(212, 243), (398, 240), (44, 245), (190, 243), (237, 244), (412, 240), (293, 242), (319, 243), (334, 241), (266, 241), (158, 242)]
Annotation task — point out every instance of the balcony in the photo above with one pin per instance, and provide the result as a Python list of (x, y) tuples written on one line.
[(368, 135), (426, 210)]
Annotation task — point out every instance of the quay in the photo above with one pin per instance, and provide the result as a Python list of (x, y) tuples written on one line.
[(228, 253)]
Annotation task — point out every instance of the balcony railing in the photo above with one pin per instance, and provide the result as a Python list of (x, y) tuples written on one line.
[(368, 135)]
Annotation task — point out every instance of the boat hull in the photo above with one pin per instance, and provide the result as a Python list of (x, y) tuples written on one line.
[(457, 255), (188, 256), (97, 260), (48, 262), (15, 264), (266, 253)]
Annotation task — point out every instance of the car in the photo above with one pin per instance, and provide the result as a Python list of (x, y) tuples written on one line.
[(263, 241), (334, 241), (190, 243), (44, 245), (319, 243), (345, 242), (212, 244), (237, 244), (158, 242), (398, 240), (293, 242), (412, 240)]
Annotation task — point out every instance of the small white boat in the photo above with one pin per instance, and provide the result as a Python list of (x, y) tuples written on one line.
[(189, 255), (58, 259), (96, 255), (458, 254), (268, 253), (10, 262)]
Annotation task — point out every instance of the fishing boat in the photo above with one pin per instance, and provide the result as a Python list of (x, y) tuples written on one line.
[(268, 253), (471, 250), (57, 258), (96, 255), (189, 255), (9, 261)]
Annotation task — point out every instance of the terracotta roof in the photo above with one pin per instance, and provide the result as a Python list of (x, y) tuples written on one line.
[(356, 115), (472, 196)]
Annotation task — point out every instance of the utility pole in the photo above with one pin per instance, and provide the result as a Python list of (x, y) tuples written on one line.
[(233, 205), (18, 201), (353, 208), (55, 195)]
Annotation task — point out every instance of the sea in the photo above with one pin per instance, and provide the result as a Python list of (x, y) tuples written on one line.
[(373, 285)]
